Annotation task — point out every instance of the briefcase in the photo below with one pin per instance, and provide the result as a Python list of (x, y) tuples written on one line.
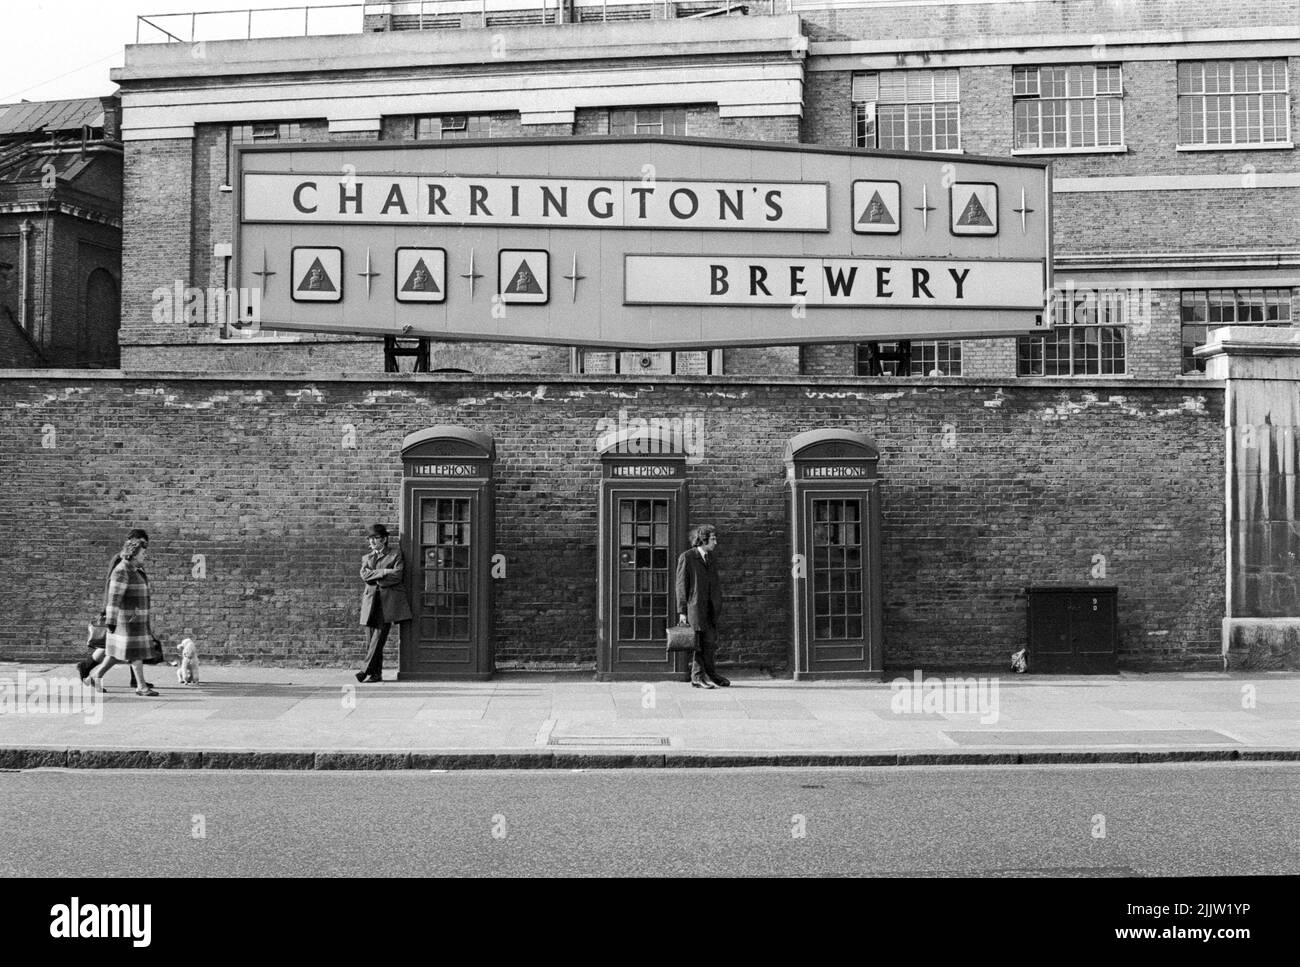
[(681, 638)]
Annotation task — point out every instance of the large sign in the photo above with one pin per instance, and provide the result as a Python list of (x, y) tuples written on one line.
[(541, 202), (705, 280), (641, 243)]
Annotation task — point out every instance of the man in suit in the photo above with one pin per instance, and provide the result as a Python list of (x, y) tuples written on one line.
[(699, 603), (383, 601)]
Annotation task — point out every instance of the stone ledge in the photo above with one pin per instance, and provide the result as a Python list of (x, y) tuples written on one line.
[(17, 759)]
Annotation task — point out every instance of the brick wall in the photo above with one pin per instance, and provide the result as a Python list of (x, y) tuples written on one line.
[(157, 232), (1048, 16), (17, 351), (253, 474)]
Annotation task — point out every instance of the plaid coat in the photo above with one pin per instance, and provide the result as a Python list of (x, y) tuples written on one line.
[(126, 607)]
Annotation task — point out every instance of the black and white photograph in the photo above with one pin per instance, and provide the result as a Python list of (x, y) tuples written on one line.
[(776, 440)]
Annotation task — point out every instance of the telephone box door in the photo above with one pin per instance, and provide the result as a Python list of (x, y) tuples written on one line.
[(642, 532), (835, 517), (447, 538)]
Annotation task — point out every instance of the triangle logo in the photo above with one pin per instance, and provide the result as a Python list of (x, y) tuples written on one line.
[(420, 279), (316, 279), (524, 282), (877, 212), (974, 213)]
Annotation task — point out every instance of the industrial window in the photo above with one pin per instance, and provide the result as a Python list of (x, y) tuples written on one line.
[(1088, 337), (1233, 102), (913, 110), (444, 127), (1070, 106), (648, 120), (1206, 309), (647, 363), (938, 357), (261, 132), (265, 131)]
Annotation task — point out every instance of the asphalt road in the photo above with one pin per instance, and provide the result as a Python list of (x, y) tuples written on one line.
[(1183, 820)]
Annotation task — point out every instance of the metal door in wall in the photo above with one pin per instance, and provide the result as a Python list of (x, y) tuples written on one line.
[(1073, 629)]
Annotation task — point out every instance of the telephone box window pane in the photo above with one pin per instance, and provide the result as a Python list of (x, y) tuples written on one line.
[(644, 579), (445, 554), (837, 569)]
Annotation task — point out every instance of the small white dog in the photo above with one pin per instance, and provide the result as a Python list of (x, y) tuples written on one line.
[(187, 671)]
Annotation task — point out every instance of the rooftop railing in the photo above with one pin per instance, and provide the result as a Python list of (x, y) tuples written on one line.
[(313, 20)]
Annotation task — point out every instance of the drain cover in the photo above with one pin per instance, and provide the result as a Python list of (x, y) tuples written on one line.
[(620, 740)]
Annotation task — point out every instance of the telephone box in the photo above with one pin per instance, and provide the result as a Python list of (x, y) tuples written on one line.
[(835, 526), (447, 519), (641, 533)]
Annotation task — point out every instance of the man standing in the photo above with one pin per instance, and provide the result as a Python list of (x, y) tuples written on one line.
[(699, 603), (383, 601)]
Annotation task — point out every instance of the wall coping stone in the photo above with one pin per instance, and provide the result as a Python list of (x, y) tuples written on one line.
[(1193, 383)]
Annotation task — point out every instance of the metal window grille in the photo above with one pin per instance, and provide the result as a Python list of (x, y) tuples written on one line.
[(912, 110), (1089, 337), (1068, 106), (1204, 309), (445, 127), (648, 120), (1234, 102), (936, 357)]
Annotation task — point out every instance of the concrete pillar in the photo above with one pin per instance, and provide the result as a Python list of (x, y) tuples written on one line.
[(1261, 367)]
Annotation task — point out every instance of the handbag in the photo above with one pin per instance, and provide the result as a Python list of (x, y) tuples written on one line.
[(681, 638), (155, 652), (97, 632)]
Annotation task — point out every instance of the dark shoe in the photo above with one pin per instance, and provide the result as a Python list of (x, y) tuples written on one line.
[(720, 681), (146, 692), (361, 676), (702, 683)]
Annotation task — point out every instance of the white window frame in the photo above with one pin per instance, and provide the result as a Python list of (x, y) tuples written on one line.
[(1025, 96), (1232, 94), (919, 344), (867, 98), (1105, 309), (638, 123), (447, 125)]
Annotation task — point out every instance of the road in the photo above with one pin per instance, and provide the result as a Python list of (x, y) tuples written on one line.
[(1177, 819)]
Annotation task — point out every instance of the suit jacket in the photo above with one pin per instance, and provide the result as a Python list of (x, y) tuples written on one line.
[(699, 589), (383, 574)]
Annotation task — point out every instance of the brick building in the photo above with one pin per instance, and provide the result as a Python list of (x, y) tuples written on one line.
[(1091, 454), (1168, 125), (60, 233)]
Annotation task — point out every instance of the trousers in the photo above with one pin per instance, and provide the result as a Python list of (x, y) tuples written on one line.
[(702, 657), (376, 636)]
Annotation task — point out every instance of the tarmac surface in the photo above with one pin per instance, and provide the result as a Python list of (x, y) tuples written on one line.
[(243, 716)]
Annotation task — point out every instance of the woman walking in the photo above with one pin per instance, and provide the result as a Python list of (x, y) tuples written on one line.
[(96, 655), (126, 613)]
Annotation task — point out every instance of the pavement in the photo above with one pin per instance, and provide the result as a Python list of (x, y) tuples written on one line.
[(252, 717)]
